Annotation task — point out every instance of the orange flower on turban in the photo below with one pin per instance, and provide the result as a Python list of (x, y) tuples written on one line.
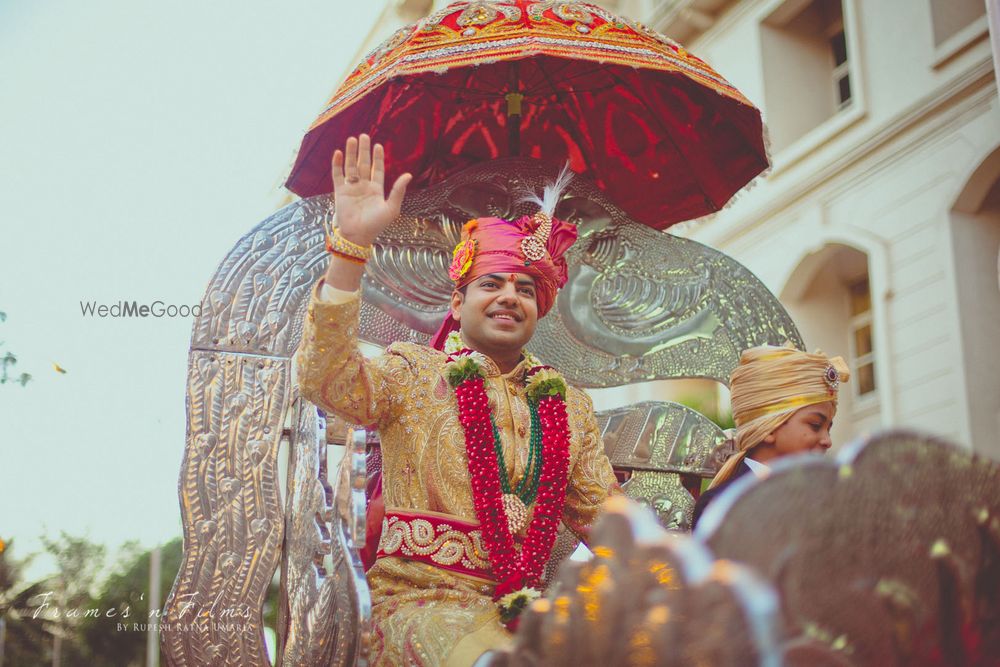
[(461, 259), (465, 252)]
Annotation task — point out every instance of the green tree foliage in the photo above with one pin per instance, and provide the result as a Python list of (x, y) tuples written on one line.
[(87, 617), (25, 638), (69, 593), (127, 591), (7, 363)]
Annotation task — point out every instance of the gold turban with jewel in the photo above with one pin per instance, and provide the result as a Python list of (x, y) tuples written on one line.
[(769, 386)]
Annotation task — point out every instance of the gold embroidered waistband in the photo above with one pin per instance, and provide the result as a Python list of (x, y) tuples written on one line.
[(442, 540)]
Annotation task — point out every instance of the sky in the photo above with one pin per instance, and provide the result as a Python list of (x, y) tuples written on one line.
[(138, 141)]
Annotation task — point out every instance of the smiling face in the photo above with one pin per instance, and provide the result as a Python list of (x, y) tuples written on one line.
[(497, 314), (807, 430)]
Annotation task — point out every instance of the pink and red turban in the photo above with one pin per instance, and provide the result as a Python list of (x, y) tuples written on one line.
[(533, 245)]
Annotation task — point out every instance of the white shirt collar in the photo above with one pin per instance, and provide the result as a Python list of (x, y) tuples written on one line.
[(757, 468)]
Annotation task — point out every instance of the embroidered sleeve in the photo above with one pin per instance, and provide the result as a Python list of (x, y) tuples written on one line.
[(332, 372), (592, 479)]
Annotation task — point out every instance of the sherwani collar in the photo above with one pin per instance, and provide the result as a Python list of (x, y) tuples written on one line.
[(491, 370)]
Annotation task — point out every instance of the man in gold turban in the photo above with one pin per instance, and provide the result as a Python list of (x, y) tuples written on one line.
[(784, 401)]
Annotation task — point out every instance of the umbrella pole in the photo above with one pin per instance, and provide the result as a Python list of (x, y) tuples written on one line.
[(514, 99)]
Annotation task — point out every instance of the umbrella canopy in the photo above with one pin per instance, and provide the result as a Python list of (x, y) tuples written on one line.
[(655, 127)]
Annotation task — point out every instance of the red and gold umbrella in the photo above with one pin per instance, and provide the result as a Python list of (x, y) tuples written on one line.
[(659, 130)]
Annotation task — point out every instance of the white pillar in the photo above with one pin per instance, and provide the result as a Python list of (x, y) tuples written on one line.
[(153, 628)]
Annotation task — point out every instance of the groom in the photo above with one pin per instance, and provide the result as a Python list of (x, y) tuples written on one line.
[(485, 449)]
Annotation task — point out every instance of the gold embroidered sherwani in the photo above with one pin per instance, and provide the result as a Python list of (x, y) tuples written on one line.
[(424, 614)]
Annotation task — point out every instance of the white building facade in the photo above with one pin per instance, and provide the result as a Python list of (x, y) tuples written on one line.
[(878, 226)]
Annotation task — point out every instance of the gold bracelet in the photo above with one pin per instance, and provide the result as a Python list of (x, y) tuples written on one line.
[(336, 243), (350, 258)]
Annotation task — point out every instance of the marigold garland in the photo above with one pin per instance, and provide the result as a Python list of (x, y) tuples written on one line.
[(518, 576)]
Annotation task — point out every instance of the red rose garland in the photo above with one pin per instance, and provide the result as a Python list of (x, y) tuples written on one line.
[(518, 575)]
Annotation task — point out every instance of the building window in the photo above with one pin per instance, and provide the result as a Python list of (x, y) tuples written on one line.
[(949, 17), (861, 347), (829, 298), (841, 72), (807, 70)]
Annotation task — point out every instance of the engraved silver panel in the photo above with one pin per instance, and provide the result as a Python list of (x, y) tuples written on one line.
[(663, 493), (238, 395), (660, 436), (658, 441), (327, 599), (230, 508), (255, 301)]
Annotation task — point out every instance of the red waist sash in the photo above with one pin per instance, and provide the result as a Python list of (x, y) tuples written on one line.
[(441, 540)]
